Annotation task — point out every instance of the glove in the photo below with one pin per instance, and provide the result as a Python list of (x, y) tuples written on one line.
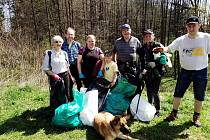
[(144, 71), (81, 76), (100, 73), (56, 77), (151, 64)]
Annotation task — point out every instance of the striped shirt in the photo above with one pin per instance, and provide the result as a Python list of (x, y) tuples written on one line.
[(127, 51)]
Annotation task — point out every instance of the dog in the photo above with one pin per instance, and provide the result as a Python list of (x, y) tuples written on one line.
[(111, 127)]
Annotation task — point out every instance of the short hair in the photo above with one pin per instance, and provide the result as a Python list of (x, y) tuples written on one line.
[(107, 53), (69, 28), (91, 36), (56, 38)]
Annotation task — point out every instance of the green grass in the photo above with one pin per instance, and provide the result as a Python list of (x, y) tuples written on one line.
[(24, 115)]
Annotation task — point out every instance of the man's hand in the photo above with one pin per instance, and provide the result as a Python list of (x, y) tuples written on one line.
[(56, 77), (158, 49)]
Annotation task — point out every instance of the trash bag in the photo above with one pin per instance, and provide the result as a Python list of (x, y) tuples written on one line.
[(141, 109), (124, 87), (116, 104), (118, 99), (90, 109), (67, 115), (102, 85)]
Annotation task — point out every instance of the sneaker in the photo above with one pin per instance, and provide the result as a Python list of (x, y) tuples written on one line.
[(196, 120), (171, 117)]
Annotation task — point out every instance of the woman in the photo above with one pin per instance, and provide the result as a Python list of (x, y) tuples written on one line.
[(152, 69), (56, 66), (87, 59)]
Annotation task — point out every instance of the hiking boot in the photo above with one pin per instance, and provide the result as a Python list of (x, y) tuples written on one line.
[(171, 117), (196, 120)]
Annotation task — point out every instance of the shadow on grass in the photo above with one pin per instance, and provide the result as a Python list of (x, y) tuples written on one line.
[(91, 134), (163, 131), (31, 121)]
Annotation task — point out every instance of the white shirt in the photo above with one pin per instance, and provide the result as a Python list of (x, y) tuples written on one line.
[(59, 62), (193, 53)]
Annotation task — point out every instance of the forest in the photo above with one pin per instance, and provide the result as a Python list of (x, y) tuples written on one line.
[(28, 25)]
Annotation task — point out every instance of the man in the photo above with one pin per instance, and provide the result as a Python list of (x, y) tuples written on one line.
[(193, 48), (126, 53), (72, 48), (152, 69)]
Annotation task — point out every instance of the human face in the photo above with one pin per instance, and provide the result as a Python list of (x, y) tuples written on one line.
[(57, 44), (107, 59), (70, 35), (148, 38), (91, 42), (126, 33), (192, 28)]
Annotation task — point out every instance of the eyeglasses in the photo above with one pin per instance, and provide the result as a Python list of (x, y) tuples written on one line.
[(58, 42)]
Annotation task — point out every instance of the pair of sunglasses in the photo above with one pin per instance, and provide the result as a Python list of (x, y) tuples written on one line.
[(58, 42)]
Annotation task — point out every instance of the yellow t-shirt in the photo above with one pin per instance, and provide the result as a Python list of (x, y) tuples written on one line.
[(109, 70)]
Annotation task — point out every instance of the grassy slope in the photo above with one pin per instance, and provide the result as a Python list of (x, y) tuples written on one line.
[(24, 110)]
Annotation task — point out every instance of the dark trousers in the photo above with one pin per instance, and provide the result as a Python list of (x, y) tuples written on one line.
[(75, 74), (60, 91), (153, 86)]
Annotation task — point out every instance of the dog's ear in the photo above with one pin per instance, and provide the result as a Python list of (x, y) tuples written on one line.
[(116, 120), (125, 115)]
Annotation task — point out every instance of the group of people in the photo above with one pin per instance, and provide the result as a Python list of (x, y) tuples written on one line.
[(134, 60)]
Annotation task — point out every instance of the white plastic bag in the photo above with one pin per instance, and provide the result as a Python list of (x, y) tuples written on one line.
[(141, 109), (90, 109)]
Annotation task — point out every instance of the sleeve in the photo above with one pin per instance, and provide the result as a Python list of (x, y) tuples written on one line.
[(208, 43), (115, 68), (67, 58), (114, 50), (81, 50), (141, 59), (100, 51), (63, 45), (138, 49), (79, 46), (174, 46), (45, 65)]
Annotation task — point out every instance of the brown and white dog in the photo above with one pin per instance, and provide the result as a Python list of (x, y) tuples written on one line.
[(111, 127)]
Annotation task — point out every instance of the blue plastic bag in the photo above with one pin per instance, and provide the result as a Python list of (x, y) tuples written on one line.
[(67, 115)]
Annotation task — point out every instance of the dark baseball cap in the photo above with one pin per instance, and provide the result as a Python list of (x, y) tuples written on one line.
[(125, 26), (193, 19), (107, 53), (148, 31)]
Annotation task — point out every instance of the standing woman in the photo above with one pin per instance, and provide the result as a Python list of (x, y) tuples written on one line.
[(152, 69), (56, 66), (87, 59)]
